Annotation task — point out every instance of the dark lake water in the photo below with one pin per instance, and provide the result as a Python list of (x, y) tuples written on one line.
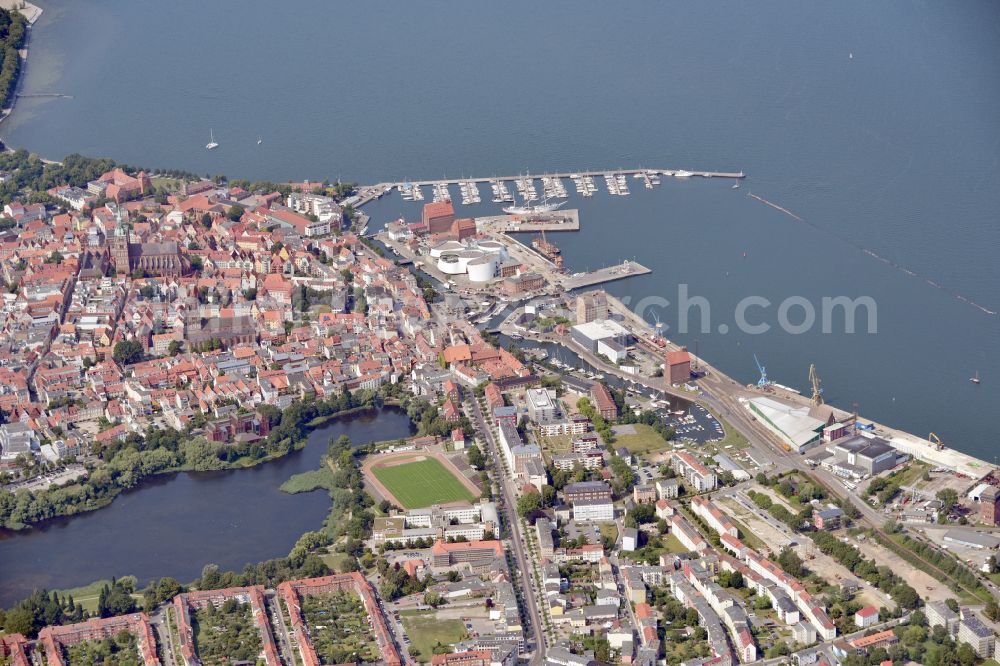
[(175, 524)]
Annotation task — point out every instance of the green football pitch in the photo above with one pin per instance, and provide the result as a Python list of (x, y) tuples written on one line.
[(422, 483)]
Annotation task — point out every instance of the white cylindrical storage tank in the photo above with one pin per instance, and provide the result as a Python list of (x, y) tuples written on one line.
[(465, 256), (449, 264), (489, 245), (482, 269), (445, 247), (494, 248)]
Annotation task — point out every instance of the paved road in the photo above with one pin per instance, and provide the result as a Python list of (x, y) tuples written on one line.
[(278, 621), (620, 582), (535, 632), (164, 636)]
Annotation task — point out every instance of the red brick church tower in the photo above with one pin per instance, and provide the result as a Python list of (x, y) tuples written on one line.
[(119, 246)]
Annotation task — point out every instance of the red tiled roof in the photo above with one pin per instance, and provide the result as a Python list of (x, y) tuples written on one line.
[(678, 357), (439, 209)]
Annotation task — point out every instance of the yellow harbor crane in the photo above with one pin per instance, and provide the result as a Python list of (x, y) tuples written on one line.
[(817, 396), (936, 441)]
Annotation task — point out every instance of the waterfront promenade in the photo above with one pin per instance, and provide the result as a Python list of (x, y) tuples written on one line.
[(717, 382), (728, 398)]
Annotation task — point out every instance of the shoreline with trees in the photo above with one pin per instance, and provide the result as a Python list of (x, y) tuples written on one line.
[(126, 465)]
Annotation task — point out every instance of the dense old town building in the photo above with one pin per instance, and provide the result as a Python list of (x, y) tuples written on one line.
[(154, 259)]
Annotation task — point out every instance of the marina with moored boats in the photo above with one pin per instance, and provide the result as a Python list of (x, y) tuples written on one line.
[(553, 187)]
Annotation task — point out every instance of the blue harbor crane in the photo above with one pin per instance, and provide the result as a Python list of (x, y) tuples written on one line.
[(763, 382)]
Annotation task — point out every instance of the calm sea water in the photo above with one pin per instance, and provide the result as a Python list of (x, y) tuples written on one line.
[(894, 150)]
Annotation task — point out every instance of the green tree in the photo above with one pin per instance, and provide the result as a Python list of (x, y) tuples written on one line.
[(991, 610), (433, 599), (948, 496), (790, 561), (548, 495), (640, 514), (476, 458), (905, 596), (529, 503), (966, 655), (116, 599), (128, 352), (19, 620), (623, 472)]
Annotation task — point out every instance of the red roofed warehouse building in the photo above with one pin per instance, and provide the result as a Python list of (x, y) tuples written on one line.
[(678, 366), (603, 402), (438, 217)]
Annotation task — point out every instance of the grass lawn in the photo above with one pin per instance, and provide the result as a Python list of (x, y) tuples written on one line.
[(163, 181), (557, 443), (913, 473), (306, 482), (610, 531), (644, 440), (426, 631), (336, 561), (88, 595), (673, 545), (732, 437), (748, 537), (422, 483)]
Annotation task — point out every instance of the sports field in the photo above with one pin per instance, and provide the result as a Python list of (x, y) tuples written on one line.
[(421, 483)]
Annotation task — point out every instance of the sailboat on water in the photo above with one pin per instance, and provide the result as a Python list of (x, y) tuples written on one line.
[(526, 209), (259, 140), (975, 378), (211, 145)]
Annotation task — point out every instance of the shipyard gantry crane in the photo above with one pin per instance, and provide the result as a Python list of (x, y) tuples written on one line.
[(817, 395)]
